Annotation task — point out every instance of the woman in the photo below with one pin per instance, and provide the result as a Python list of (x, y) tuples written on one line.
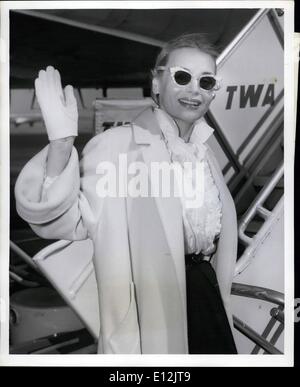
[(163, 283)]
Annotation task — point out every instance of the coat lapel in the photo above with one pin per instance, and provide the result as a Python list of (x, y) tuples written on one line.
[(147, 133)]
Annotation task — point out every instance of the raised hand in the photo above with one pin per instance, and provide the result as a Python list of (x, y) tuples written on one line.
[(58, 106)]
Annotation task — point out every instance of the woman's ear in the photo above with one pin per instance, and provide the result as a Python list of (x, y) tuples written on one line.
[(155, 85)]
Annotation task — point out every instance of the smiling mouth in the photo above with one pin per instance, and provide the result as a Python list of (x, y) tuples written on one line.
[(189, 103)]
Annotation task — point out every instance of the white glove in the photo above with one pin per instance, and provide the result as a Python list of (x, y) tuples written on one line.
[(59, 108)]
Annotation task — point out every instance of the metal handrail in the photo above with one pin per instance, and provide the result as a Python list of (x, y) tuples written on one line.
[(243, 33), (270, 218), (267, 154), (264, 294), (55, 341), (257, 205), (22, 254), (15, 277), (255, 337), (258, 292), (278, 314)]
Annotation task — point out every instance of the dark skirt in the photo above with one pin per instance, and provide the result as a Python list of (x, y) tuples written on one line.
[(209, 331)]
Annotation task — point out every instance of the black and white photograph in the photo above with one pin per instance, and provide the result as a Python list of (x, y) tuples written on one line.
[(148, 161)]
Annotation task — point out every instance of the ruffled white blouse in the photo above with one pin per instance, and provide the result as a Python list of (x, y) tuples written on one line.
[(201, 220)]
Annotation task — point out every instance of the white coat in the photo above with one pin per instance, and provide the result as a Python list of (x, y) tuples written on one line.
[(138, 242)]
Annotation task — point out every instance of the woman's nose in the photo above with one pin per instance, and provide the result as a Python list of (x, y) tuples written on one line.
[(193, 86)]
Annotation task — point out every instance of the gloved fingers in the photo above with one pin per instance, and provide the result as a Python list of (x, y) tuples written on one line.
[(37, 84), (57, 81), (42, 76), (48, 86), (50, 79), (42, 83), (59, 107), (70, 97)]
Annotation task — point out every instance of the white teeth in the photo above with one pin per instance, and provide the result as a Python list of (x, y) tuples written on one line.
[(190, 102)]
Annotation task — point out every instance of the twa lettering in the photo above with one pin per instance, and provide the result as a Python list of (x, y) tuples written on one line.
[(251, 95)]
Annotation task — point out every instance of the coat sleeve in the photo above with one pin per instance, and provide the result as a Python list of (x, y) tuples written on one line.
[(59, 214)]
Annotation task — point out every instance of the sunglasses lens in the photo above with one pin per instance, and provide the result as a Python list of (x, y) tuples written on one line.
[(207, 83), (182, 77)]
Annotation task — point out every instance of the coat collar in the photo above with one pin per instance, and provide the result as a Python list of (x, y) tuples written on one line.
[(145, 126)]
